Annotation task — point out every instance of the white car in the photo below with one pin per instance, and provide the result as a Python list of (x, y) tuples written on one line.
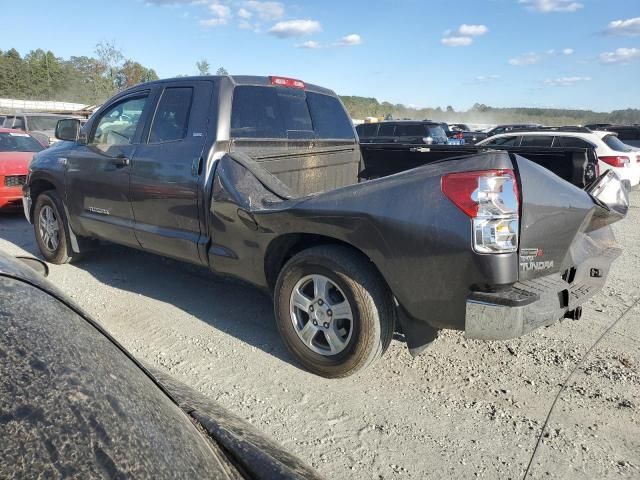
[(612, 153)]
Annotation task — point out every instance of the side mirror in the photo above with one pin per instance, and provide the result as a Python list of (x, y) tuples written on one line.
[(68, 129)]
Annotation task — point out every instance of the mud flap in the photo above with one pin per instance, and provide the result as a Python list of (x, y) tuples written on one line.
[(419, 335)]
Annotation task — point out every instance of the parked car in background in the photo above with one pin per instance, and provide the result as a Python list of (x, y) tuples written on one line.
[(402, 131), (74, 403), (511, 127), (16, 151), (460, 131), (628, 134), (41, 126), (611, 152), (576, 165)]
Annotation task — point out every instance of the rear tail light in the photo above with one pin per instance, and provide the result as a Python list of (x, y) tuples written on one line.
[(638, 159), (287, 82), (492, 201), (615, 161)]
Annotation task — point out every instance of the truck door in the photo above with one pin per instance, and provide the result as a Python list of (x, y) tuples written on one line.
[(98, 173), (166, 170)]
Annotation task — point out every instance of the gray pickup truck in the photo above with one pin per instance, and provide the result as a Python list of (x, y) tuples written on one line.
[(257, 178)]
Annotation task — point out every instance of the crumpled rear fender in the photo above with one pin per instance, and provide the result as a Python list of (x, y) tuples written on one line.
[(418, 240)]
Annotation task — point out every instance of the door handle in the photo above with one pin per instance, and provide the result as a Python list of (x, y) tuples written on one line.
[(121, 161), (196, 167)]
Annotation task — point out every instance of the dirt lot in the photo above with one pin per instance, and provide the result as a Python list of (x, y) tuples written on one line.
[(464, 409)]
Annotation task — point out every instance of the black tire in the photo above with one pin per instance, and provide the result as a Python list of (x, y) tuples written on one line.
[(63, 252), (372, 308)]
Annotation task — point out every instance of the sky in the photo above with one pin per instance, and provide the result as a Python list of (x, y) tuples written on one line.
[(503, 53)]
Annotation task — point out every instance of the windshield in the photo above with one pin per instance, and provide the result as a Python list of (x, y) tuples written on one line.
[(18, 142), (42, 123), (614, 143)]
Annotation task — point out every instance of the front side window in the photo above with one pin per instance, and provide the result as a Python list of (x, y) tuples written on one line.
[(119, 123), (171, 121)]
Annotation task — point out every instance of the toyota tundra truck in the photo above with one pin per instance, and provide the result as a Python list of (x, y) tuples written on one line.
[(258, 178)]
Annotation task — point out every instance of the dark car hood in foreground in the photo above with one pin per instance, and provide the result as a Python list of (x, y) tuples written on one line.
[(73, 403)]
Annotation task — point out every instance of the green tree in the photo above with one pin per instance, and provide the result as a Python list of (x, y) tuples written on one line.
[(222, 71), (203, 67)]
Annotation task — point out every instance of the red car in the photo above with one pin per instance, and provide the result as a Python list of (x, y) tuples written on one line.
[(16, 150)]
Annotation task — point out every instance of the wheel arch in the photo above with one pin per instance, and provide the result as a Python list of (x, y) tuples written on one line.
[(284, 247), (37, 187)]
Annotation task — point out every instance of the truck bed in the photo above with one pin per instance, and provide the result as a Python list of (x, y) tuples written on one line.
[(575, 165)]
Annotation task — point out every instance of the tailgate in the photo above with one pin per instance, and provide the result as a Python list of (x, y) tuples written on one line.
[(561, 225)]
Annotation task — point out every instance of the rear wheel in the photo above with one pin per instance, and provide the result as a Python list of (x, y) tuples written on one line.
[(51, 229), (333, 310)]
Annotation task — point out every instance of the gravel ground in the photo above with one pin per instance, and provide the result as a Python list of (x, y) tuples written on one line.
[(463, 409)]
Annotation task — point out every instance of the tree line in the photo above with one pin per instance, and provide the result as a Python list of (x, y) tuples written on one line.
[(362, 107), (41, 75)]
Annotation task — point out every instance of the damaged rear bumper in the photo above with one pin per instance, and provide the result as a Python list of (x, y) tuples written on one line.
[(536, 303)]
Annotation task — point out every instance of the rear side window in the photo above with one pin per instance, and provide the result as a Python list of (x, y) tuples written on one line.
[(410, 130), (329, 117), (536, 141), (386, 130), (571, 142), (171, 121), (270, 112)]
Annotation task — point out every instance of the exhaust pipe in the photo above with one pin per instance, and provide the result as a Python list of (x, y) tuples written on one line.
[(574, 314)]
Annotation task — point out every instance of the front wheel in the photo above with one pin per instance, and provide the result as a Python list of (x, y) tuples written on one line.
[(333, 310), (51, 229)]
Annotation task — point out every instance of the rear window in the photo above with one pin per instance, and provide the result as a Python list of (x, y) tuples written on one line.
[(18, 142), (367, 130), (42, 122), (329, 117), (536, 141), (614, 143), (386, 130), (270, 112), (410, 130)]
